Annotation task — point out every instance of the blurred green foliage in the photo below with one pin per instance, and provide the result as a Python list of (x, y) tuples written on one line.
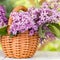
[(52, 46), (55, 29), (10, 4)]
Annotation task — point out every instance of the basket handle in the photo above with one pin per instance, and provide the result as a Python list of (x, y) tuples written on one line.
[(16, 9)]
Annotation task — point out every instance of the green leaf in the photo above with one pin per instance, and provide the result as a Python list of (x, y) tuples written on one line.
[(41, 32), (37, 3), (56, 25), (3, 31), (55, 29)]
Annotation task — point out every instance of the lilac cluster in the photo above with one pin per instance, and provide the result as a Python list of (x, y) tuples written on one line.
[(48, 15), (33, 18), (34, 12), (2, 10), (55, 4), (3, 19), (48, 33), (22, 21)]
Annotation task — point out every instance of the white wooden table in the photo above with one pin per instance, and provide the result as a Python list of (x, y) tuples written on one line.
[(38, 56)]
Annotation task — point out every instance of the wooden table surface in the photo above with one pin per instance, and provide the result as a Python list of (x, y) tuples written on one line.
[(39, 55)]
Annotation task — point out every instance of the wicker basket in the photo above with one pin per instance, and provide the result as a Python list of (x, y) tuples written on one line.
[(21, 46)]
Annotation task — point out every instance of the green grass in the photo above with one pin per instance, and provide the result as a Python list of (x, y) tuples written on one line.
[(52, 46)]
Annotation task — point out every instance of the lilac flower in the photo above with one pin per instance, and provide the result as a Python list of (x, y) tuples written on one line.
[(50, 35), (34, 12), (3, 19), (31, 32), (34, 18), (22, 21), (55, 4), (2, 10), (48, 15)]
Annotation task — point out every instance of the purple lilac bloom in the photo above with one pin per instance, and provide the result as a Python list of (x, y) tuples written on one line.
[(31, 32), (22, 21), (34, 12), (41, 40), (33, 18), (3, 19), (48, 33), (2, 10), (48, 15)]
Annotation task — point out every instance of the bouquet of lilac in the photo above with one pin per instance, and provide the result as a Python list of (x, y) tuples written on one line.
[(43, 20), (22, 21), (48, 16), (47, 19), (3, 20)]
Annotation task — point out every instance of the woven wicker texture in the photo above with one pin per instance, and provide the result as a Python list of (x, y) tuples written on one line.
[(0, 39), (21, 46)]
